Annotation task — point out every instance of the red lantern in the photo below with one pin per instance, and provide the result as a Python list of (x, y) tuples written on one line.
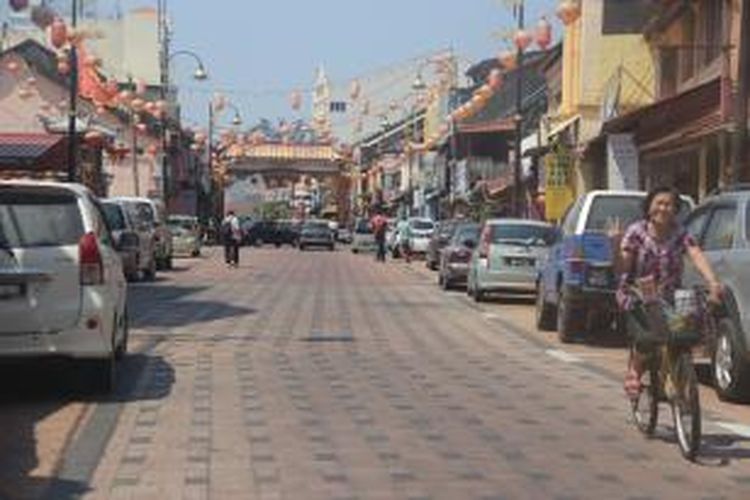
[(19, 5), (13, 66), (522, 39), (495, 79), (543, 33), (568, 12), (137, 104), (508, 59), (58, 33), (142, 128), (152, 150), (93, 138)]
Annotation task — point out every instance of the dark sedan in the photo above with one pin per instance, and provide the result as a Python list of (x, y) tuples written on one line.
[(440, 238), (316, 233), (456, 255)]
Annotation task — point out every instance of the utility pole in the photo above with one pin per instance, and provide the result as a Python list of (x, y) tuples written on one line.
[(740, 143), (164, 41), (517, 190), (73, 101)]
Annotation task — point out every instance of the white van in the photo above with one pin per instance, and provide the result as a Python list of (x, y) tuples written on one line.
[(62, 288)]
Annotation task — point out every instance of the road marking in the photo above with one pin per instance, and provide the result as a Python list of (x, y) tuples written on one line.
[(739, 429), (490, 316), (563, 356)]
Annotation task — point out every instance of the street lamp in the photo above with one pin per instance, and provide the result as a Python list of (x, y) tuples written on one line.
[(73, 99), (165, 58), (212, 115)]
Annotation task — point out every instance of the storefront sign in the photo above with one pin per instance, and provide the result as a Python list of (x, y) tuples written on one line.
[(622, 162), (558, 191)]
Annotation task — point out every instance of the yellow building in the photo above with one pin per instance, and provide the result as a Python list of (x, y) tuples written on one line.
[(606, 70)]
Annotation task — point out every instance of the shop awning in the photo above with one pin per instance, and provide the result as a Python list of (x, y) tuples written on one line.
[(32, 152), (562, 126)]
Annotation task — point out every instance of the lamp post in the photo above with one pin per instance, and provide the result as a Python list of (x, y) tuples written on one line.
[(73, 101), (517, 191), (236, 121), (165, 58), (418, 86)]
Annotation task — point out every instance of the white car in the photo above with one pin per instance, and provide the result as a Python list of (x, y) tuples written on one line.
[(62, 288), (363, 240), (421, 230)]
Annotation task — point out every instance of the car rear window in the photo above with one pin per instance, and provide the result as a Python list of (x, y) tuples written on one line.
[(607, 210), (464, 233), (315, 226), (115, 216), (522, 233), (422, 225), (38, 218), (362, 227)]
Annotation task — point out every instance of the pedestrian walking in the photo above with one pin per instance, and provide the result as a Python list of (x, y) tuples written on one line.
[(404, 238), (231, 235), (379, 224)]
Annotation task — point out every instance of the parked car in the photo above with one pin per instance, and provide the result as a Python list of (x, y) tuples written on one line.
[(507, 256), (186, 235), (316, 233), (576, 284), (62, 287), (363, 240), (720, 225), (344, 235), (151, 212), (421, 232), (441, 236), (455, 257), (135, 246)]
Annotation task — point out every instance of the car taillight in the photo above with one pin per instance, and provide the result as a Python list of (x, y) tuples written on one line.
[(90, 259)]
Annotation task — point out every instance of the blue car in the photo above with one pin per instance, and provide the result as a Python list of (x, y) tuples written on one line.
[(576, 284)]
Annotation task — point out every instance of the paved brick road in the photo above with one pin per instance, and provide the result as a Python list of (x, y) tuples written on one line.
[(318, 375)]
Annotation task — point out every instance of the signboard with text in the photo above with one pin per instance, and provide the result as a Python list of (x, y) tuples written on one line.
[(558, 176)]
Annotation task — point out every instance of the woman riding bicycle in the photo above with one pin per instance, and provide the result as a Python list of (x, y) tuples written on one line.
[(652, 252)]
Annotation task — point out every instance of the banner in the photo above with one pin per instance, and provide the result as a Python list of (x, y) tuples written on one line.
[(558, 189)]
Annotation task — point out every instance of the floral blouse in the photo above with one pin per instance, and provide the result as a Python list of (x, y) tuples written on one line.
[(661, 259)]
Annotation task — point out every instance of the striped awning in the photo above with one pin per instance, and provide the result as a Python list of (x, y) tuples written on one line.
[(33, 151)]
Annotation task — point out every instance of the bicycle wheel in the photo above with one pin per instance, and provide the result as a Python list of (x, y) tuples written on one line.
[(645, 407), (686, 408)]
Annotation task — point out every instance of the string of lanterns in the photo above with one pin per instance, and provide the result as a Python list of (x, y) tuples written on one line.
[(568, 11)]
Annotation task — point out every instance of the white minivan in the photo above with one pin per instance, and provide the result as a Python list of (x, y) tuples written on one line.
[(62, 288)]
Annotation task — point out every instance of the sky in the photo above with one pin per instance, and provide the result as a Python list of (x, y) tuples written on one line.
[(261, 50)]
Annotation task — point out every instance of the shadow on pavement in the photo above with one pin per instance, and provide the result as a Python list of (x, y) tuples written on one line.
[(191, 312), (34, 390)]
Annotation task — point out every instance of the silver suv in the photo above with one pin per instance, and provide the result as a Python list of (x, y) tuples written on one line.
[(721, 224)]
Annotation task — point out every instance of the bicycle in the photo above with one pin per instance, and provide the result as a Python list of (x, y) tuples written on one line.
[(669, 374)]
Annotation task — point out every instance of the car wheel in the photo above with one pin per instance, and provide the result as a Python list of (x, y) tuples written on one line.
[(331, 248), (445, 283), (570, 322), (196, 253), (149, 274), (168, 262), (545, 314), (730, 371), (122, 346), (302, 248)]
